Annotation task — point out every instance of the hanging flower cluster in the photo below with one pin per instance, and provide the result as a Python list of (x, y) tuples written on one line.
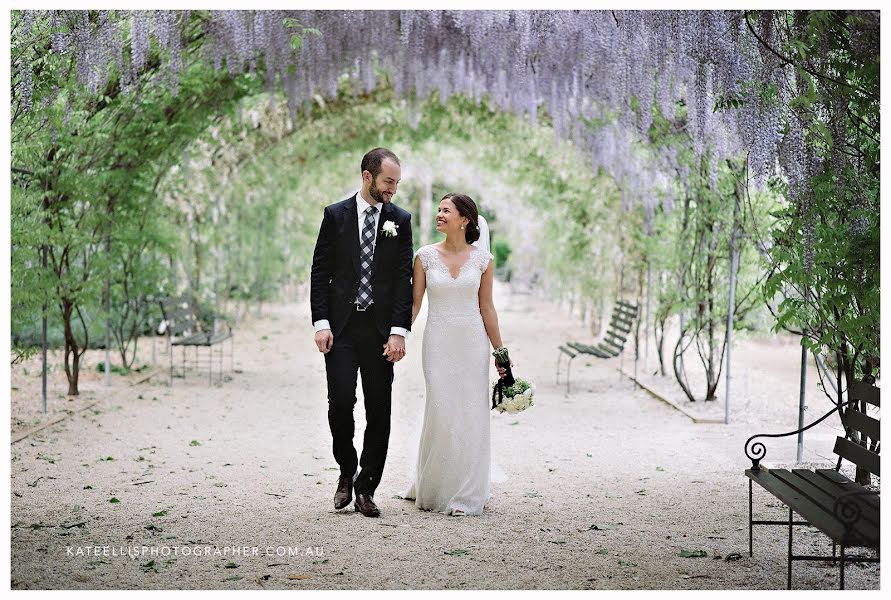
[(594, 73)]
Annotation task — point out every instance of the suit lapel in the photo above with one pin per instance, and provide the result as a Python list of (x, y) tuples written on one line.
[(351, 229), (386, 212)]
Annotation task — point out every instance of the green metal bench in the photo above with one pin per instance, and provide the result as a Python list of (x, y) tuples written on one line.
[(612, 344), (845, 511), (183, 329)]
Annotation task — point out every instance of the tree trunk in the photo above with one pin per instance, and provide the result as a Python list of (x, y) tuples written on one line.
[(678, 364), (72, 353)]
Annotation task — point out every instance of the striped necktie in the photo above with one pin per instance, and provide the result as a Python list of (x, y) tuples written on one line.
[(366, 257)]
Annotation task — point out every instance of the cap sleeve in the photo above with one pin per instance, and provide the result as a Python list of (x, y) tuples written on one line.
[(482, 259), (424, 255)]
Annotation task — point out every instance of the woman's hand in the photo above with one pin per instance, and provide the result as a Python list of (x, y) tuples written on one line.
[(502, 372)]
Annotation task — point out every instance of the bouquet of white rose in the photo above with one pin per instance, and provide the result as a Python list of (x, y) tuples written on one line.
[(517, 397), (508, 394)]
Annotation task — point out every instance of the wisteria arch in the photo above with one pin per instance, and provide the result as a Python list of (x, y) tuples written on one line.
[(581, 67)]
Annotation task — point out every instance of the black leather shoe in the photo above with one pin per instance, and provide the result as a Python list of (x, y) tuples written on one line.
[(365, 505), (344, 493)]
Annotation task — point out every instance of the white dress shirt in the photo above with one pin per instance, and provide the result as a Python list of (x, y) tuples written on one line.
[(362, 206)]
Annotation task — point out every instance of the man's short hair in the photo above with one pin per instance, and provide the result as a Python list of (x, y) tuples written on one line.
[(372, 160)]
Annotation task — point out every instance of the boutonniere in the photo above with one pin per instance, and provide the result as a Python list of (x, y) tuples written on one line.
[(389, 229)]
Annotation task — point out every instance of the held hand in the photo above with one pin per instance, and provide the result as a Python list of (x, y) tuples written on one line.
[(324, 340), (394, 349), (502, 371)]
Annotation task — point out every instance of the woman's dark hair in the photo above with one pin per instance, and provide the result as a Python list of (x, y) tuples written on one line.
[(466, 208)]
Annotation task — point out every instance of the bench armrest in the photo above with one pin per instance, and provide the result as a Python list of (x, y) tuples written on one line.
[(756, 451)]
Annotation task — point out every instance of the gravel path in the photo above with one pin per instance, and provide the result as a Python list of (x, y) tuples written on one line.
[(606, 487)]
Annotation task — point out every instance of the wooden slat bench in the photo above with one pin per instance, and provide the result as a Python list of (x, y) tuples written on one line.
[(183, 329), (612, 344), (845, 511)]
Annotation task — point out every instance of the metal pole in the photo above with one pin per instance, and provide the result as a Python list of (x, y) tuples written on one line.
[(43, 253), (801, 406), (734, 258), (830, 377), (107, 378), (734, 266), (647, 322)]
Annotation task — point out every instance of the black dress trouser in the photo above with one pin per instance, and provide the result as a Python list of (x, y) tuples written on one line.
[(359, 349)]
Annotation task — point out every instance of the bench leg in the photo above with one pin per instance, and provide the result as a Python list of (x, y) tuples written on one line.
[(789, 567), (559, 358), (170, 354), (568, 373), (751, 526), (841, 569)]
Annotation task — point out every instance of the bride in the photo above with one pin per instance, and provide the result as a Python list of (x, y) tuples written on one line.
[(452, 473)]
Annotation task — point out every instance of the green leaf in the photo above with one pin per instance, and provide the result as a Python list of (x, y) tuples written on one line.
[(149, 566), (114, 500), (692, 553)]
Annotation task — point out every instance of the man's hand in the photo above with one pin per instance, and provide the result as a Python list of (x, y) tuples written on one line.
[(394, 349), (324, 340)]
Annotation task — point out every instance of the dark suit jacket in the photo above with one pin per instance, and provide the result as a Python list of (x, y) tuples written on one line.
[(334, 279)]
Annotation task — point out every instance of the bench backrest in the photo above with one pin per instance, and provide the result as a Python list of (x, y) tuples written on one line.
[(180, 316), (864, 454), (622, 319)]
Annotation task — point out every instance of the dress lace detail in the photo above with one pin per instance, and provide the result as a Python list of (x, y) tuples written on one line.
[(452, 472)]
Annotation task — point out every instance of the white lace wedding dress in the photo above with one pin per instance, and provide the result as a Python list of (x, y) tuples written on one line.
[(452, 472)]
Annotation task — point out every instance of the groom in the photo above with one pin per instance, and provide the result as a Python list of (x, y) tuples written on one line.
[(360, 292)]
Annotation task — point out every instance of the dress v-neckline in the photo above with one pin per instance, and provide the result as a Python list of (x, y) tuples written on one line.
[(461, 268)]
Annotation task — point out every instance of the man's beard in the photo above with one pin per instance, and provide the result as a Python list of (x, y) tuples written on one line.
[(376, 194)]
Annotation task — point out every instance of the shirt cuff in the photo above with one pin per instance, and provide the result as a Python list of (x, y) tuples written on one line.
[(399, 331), (320, 325)]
